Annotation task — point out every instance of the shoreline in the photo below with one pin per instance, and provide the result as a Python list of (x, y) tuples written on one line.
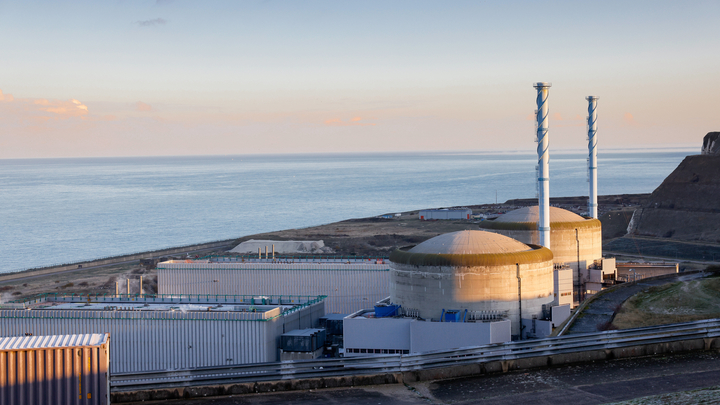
[(127, 259)]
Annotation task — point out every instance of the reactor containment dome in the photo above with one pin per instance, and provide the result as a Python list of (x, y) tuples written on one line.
[(575, 241), (474, 271)]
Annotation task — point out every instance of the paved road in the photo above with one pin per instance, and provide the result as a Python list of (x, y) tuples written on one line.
[(586, 384), (15, 280), (601, 310)]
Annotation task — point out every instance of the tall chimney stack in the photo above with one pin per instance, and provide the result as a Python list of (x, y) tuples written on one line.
[(592, 155), (543, 166)]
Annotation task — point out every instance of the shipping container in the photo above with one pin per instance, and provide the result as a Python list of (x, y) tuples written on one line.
[(348, 287), (333, 323), (302, 340), (57, 369)]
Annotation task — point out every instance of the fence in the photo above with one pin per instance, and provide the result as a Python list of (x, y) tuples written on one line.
[(384, 364)]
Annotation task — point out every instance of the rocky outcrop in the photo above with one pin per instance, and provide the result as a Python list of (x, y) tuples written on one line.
[(711, 144), (686, 205)]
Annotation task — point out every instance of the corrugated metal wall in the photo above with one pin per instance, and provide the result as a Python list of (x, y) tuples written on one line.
[(155, 340), (349, 287), (54, 370)]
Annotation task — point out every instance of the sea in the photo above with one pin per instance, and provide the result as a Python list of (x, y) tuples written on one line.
[(55, 211)]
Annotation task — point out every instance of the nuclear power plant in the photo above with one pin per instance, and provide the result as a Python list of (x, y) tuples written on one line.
[(515, 278)]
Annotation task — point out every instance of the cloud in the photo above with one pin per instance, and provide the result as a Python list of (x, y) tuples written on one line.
[(355, 121), (628, 119), (6, 97), (143, 107), (151, 23), (37, 109)]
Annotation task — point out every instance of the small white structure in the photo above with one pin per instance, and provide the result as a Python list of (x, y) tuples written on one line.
[(253, 246), (446, 213), (365, 334), (563, 281)]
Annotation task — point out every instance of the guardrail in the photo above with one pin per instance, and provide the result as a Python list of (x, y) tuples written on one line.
[(382, 364)]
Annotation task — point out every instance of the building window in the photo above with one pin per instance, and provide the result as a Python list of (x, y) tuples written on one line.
[(363, 350), (377, 351)]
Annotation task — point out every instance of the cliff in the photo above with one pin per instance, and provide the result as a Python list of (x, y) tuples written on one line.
[(686, 206)]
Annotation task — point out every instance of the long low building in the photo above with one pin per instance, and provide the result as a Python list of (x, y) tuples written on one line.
[(152, 333), (350, 285)]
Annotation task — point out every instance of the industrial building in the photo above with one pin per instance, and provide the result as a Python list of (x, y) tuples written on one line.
[(349, 284), (446, 213), (575, 242), (60, 369), (169, 332)]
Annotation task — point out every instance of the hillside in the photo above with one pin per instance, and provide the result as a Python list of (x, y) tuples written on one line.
[(686, 206)]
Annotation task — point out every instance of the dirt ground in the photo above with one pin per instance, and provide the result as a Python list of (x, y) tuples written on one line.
[(682, 301)]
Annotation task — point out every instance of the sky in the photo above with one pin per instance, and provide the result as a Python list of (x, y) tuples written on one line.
[(165, 77)]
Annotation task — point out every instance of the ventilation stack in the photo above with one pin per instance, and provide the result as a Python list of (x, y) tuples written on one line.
[(592, 155), (543, 163)]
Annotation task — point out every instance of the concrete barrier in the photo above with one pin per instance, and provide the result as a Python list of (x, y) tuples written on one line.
[(440, 373)]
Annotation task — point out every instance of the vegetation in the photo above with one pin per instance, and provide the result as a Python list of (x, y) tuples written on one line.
[(671, 303)]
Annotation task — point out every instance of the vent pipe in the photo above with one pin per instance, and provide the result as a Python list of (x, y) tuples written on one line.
[(592, 155), (543, 163)]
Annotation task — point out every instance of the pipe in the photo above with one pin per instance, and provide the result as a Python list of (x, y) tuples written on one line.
[(273, 251), (141, 289), (579, 277), (117, 289), (592, 155), (128, 286), (259, 253), (543, 163), (517, 267)]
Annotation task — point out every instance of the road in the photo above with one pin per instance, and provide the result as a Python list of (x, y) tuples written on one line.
[(586, 384), (119, 263), (600, 311)]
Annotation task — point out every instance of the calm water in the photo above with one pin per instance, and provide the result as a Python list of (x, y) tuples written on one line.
[(65, 210)]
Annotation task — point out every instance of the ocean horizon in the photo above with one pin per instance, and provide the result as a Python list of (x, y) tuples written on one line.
[(64, 210)]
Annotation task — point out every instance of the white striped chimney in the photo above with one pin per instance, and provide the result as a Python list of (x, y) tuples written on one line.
[(592, 155), (543, 164)]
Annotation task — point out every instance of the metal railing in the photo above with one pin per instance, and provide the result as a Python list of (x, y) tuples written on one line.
[(381, 364)]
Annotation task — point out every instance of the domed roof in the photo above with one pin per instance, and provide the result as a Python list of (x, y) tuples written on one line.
[(470, 242), (532, 214)]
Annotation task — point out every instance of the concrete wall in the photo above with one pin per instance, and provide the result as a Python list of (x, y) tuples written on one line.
[(430, 289), (428, 336), (383, 333), (419, 336)]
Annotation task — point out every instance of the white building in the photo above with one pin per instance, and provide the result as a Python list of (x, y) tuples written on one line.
[(349, 284), (168, 332)]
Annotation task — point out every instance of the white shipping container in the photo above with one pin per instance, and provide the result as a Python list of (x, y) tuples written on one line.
[(60, 369)]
